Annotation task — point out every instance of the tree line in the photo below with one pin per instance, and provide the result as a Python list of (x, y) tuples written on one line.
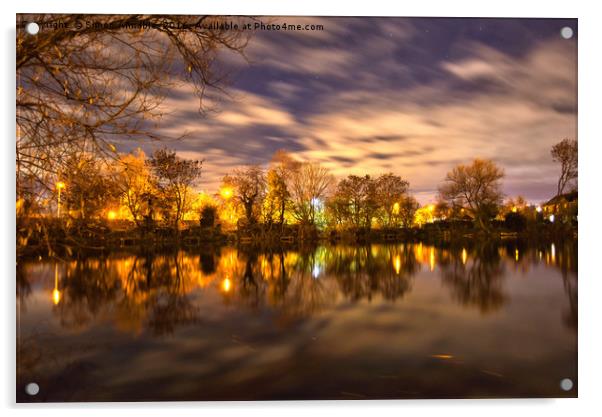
[(160, 190)]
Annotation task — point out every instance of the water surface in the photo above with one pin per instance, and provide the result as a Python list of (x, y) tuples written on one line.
[(332, 322)]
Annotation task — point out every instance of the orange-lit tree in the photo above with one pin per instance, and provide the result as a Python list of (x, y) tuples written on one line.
[(249, 187), (173, 178), (133, 181), (87, 188), (390, 190)]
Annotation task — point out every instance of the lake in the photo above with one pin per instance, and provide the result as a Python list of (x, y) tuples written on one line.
[(327, 322)]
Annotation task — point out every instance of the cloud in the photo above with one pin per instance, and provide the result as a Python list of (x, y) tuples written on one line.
[(366, 97)]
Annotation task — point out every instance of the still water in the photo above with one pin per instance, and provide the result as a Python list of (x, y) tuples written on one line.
[(332, 322)]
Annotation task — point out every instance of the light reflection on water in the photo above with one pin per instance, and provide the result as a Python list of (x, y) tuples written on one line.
[(380, 321)]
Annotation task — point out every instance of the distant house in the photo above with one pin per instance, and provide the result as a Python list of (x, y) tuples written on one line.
[(563, 207)]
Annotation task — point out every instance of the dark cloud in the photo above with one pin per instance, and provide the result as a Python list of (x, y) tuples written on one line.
[(380, 138)]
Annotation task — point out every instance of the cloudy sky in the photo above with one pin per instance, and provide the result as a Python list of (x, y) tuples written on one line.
[(410, 96)]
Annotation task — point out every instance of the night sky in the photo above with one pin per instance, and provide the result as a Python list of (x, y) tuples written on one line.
[(412, 96)]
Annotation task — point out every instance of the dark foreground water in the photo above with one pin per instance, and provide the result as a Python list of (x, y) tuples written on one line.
[(361, 322)]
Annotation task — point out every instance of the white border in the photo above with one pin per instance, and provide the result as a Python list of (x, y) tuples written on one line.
[(590, 274)]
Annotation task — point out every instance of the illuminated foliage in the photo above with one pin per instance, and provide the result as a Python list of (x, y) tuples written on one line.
[(135, 186), (390, 191), (249, 190), (86, 187), (173, 177)]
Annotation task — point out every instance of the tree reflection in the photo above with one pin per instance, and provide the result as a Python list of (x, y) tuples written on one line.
[(157, 293), (140, 291), (364, 271), (566, 261), (476, 279)]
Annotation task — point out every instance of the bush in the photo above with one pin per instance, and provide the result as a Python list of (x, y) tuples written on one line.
[(208, 215), (515, 222)]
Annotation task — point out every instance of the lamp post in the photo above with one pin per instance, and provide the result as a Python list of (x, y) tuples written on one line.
[(59, 186)]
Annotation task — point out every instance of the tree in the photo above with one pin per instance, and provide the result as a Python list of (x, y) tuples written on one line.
[(173, 177), (208, 216), (476, 188), (308, 185), (337, 210), (358, 194), (277, 200), (88, 187), (249, 189), (407, 210), (82, 90), (390, 190), (515, 205), (565, 152), (134, 183)]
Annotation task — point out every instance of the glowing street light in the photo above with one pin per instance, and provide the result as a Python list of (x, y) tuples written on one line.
[(538, 209), (226, 193), (59, 186), (111, 215)]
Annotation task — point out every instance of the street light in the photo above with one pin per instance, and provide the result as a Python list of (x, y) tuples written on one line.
[(226, 193), (59, 186)]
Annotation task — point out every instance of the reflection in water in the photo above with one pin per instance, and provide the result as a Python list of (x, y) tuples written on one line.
[(154, 295), (152, 291), (476, 280)]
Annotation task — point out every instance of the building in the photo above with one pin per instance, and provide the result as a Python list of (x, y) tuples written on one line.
[(562, 208)]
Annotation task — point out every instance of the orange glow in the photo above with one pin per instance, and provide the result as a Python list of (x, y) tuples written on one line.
[(444, 356), (60, 185), (56, 296), (111, 215), (432, 259), (226, 285), (396, 208), (397, 264), (226, 193), (464, 256), (424, 215)]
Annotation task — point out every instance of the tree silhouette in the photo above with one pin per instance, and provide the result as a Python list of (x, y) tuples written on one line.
[(565, 152), (476, 188)]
